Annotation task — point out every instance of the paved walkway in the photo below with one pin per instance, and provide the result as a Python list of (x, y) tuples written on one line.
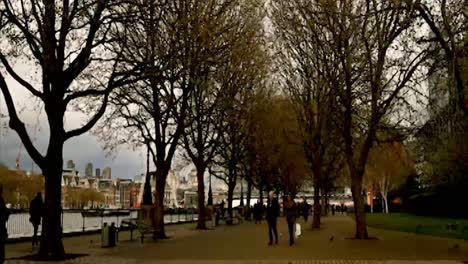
[(247, 243)]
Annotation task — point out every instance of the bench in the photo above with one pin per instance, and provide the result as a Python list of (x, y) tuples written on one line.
[(129, 224), (230, 221), (144, 229)]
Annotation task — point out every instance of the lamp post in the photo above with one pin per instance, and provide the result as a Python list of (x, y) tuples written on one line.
[(210, 193), (147, 199), (242, 193)]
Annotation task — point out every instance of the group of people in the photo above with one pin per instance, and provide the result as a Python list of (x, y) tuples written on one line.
[(291, 212), (36, 209), (338, 208)]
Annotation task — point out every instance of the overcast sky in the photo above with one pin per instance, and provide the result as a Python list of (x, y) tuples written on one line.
[(125, 163)]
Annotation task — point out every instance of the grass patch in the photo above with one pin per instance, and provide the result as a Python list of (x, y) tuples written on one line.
[(441, 227)]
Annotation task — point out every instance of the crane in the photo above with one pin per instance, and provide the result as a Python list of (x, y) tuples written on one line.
[(18, 159)]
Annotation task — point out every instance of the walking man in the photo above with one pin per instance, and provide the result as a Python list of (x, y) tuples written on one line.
[(4, 214), (222, 209), (305, 209), (36, 208), (290, 210), (273, 209)]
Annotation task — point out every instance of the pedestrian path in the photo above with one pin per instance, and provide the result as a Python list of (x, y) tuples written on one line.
[(247, 243)]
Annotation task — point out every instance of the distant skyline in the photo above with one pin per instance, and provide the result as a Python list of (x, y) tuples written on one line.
[(125, 162)]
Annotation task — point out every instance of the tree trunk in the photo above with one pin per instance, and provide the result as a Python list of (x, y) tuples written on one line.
[(249, 193), (201, 196), (327, 203), (51, 238), (359, 210), (159, 204), (230, 197), (385, 203), (317, 206), (260, 192)]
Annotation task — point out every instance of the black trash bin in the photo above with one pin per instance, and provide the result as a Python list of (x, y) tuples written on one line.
[(112, 235)]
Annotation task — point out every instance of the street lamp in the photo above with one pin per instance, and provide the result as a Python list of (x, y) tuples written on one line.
[(210, 193), (242, 193), (147, 199)]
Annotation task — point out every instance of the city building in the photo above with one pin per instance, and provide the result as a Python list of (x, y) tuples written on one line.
[(88, 183), (70, 178), (98, 173), (107, 173), (89, 170), (108, 188), (125, 193), (71, 165)]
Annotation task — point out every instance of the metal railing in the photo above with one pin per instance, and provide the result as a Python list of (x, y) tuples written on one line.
[(80, 221)]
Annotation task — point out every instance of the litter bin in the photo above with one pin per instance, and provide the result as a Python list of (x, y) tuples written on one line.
[(105, 236), (109, 236), (112, 235)]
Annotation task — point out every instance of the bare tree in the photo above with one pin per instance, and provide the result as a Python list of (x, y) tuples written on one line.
[(387, 79), (367, 57), (231, 32), (163, 41), (447, 22), (309, 77), (62, 42)]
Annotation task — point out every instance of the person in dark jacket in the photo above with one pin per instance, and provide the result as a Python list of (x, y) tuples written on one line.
[(4, 214), (222, 209), (273, 210), (256, 212), (36, 208), (290, 211), (305, 209)]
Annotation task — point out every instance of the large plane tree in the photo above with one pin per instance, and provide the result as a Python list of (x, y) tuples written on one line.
[(61, 43)]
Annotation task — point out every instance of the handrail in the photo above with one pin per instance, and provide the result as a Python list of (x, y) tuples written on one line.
[(80, 221)]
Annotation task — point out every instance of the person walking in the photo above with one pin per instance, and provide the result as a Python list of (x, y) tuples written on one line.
[(255, 212), (36, 208), (290, 210), (273, 209), (305, 209), (222, 209), (4, 214)]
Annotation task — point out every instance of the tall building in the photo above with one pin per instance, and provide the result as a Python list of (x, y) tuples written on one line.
[(98, 173), (107, 173), (89, 170), (70, 164)]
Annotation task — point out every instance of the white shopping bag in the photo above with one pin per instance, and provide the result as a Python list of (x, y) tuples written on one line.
[(298, 230)]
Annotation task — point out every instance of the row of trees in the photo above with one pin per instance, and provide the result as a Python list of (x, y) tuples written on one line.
[(165, 69), (81, 198), (19, 189), (355, 70), (196, 74)]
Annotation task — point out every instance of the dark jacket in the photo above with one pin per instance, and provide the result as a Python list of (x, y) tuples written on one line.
[(273, 209), (4, 215), (290, 211), (305, 208), (36, 209)]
